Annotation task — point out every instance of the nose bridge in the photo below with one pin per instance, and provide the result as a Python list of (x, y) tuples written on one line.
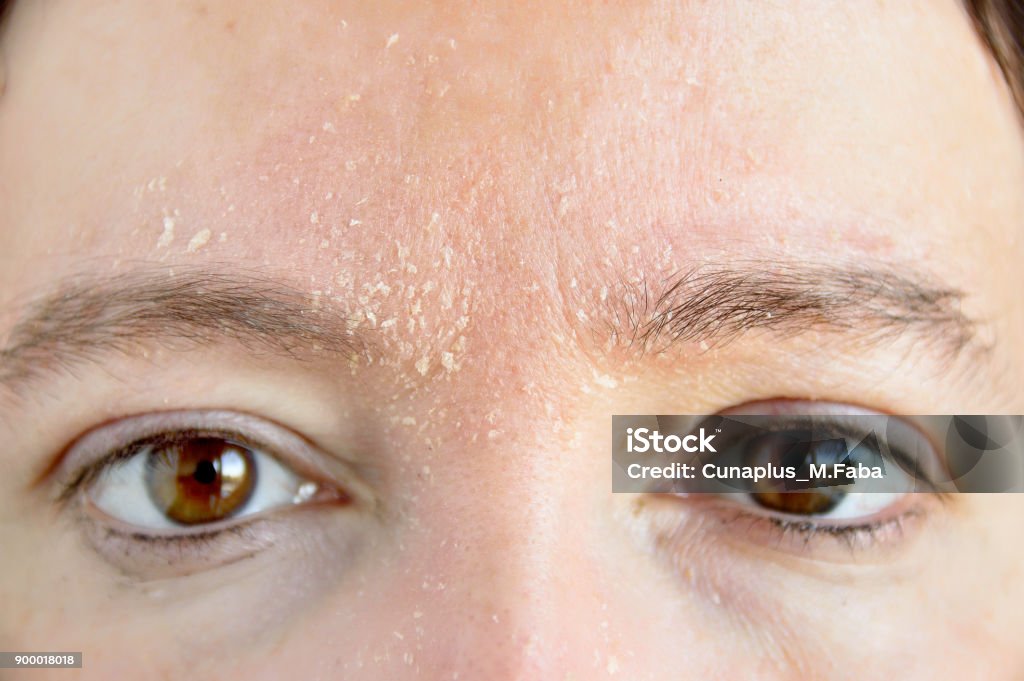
[(515, 564), (507, 519)]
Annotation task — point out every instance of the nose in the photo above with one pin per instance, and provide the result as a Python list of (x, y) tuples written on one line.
[(516, 569), (515, 585)]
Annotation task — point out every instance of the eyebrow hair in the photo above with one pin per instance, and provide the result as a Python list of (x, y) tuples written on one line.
[(92, 315), (713, 305), (88, 316)]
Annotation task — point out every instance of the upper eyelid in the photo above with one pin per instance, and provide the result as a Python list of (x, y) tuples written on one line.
[(837, 411), (907, 463)]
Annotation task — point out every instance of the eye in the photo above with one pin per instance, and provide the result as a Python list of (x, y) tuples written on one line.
[(169, 494), (188, 479), (179, 471), (792, 443), (820, 501), (787, 437)]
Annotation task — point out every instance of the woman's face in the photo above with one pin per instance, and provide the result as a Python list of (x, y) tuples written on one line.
[(413, 252)]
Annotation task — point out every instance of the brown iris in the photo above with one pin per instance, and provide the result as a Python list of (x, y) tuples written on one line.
[(200, 479), (793, 448), (799, 503)]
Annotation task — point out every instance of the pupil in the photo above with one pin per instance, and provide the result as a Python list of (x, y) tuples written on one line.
[(205, 473)]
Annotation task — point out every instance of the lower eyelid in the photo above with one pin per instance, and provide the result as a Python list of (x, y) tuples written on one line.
[(157, 555), (144, 553), (765, 536)]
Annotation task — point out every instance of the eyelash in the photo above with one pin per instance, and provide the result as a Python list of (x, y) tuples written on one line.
[(854, 536), (191, 540), (144, 555)]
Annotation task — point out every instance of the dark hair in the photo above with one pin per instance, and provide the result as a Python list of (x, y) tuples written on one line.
[(999, 24)]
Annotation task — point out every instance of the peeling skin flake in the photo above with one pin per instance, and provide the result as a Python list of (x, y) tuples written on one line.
[(423, 365), (448, 361), (199, 240), (168, 234)]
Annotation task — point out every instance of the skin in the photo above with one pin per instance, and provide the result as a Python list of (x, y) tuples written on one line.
[(493, 169)]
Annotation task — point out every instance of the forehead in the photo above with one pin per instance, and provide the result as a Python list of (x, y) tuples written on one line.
[(347, 140)]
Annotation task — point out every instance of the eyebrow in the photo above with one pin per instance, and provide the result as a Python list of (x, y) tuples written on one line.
[(88, 316), (714, 305)]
